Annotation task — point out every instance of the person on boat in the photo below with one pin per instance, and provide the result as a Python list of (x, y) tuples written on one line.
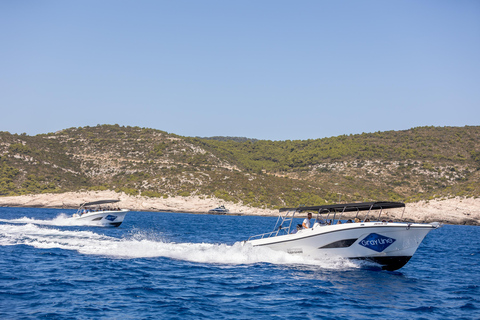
[(306, 222)]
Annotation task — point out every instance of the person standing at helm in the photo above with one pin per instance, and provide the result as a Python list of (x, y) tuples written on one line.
[(306, 222)]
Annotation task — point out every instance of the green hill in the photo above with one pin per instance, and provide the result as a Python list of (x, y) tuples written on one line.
[(420, 163)]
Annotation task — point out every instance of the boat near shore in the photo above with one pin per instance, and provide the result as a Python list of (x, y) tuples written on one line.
[(100, 213), (219, 210), (365, 236)]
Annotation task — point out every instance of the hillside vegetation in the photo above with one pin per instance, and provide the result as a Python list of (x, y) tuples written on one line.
[(416, 164)]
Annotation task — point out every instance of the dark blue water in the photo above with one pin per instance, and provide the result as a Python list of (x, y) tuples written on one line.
[(185, 266)]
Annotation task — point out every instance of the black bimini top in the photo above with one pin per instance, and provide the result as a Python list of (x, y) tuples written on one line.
[(349, 207), (94, 203)]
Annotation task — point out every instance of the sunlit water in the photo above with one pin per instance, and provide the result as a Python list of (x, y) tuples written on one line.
[(185, 266)]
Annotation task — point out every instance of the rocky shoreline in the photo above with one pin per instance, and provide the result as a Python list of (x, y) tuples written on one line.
[(461, 211)]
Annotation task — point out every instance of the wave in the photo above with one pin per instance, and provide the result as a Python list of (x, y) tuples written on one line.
[(139, 244), (62, 219)]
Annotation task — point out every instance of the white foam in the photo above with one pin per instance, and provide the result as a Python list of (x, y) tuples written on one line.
[(141, 245), (61, 220)]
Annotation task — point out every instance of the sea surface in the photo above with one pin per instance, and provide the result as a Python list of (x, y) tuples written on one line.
[(159, 265)]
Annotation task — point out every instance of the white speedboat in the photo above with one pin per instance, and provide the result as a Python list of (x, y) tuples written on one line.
[(100, 213), (390, 244), (219, 210)]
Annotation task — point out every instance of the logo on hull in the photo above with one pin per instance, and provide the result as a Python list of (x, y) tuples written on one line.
[(110, 217), (376, 242)]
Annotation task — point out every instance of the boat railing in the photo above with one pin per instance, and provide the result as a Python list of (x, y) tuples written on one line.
[(334, 214), (264, 235), (282, 226)]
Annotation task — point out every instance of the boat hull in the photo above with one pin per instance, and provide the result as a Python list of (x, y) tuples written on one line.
[(389, 244), (214, 211), (108, 218)]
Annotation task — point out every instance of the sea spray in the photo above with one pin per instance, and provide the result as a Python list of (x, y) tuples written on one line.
[(61, 219), (142, 244)]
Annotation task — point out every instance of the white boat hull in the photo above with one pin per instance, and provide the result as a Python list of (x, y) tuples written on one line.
[(389, 244), (107, 218)]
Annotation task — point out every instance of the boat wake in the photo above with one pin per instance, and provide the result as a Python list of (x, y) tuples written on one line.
[(61, 220), (139, 244)]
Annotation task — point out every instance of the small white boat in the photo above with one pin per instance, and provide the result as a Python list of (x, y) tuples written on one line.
[(100, 213), (390, 244), (221, 210)]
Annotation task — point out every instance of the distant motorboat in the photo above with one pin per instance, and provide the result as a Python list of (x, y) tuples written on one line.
[(98, 214), (390, 244), (220, 209)]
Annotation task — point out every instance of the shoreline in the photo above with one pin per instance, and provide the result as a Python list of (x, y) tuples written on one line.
[(459, 211)]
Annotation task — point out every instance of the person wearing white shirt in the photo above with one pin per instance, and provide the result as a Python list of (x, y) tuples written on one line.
[(306, 222)]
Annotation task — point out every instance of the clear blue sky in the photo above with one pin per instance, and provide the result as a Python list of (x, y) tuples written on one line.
[(272, 69)]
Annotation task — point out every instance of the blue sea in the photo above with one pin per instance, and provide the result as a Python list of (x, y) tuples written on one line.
[(160, 265)]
